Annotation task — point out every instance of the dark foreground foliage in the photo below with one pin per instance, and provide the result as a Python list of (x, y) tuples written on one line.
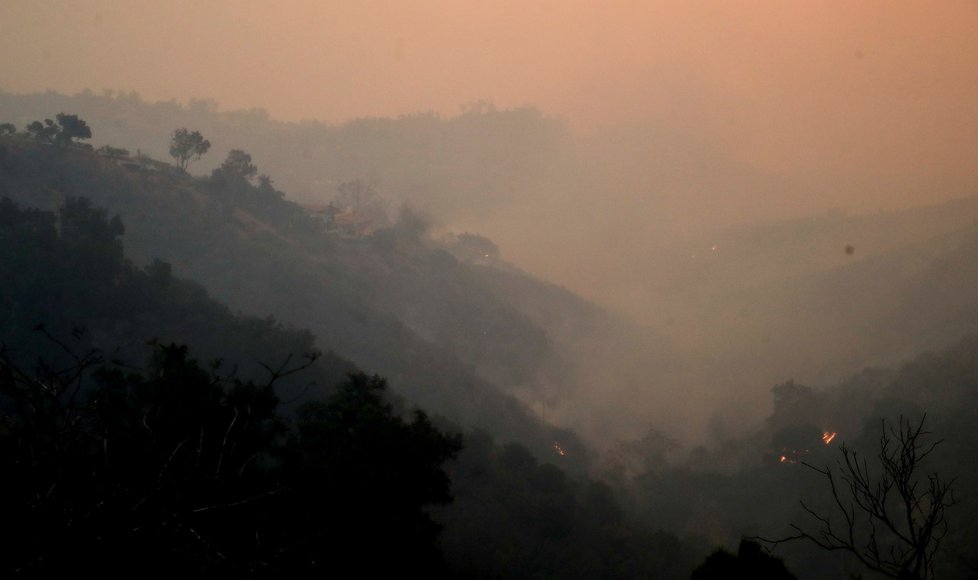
[(67, 272), (186, 466), (516, 517), (749, 562), (173, 470)]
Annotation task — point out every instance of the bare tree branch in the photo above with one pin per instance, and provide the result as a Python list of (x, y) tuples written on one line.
[(887, 515)]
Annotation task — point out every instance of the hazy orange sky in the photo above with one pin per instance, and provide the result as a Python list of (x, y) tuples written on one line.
[(797, 86)]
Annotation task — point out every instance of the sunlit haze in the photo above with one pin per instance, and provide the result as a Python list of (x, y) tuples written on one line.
[(687, 117)]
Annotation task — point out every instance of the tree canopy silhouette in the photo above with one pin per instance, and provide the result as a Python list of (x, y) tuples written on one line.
[(187, 146), (63, 132), (887, 513), (176, 469), (749, 562)]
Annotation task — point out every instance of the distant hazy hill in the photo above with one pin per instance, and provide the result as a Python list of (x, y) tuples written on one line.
[(826, 296), (470, 163), (769, 252)]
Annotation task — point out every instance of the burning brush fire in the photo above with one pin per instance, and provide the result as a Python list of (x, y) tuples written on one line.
[(793, 455)]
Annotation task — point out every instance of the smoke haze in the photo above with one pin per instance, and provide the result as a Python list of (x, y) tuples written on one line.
[(681, 123)]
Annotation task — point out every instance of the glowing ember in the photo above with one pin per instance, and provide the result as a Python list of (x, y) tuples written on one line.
[(828, 436), (560, 450)]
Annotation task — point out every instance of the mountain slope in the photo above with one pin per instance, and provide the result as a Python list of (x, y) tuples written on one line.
[(392, 302)]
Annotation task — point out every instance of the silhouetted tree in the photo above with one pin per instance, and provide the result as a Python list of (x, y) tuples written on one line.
[(238, 166), (71, 128), (265, 185), (7, 129), (750, 562), (42, 131), (231, 182), (186, 146), (886, 513), (63, 132)]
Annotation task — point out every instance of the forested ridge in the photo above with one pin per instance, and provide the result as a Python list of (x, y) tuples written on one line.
[(369, 299), (120, 330)]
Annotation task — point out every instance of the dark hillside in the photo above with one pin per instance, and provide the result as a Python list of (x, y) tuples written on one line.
[(390, 301), (69, 287)]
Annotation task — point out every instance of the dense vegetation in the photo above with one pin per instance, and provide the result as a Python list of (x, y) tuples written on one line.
[(390, 302), (198, 467), (176, 470), (67, 273), (183, 467)]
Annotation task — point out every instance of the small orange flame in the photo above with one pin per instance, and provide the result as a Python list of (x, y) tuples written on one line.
[(828, 436), (560, 450)]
